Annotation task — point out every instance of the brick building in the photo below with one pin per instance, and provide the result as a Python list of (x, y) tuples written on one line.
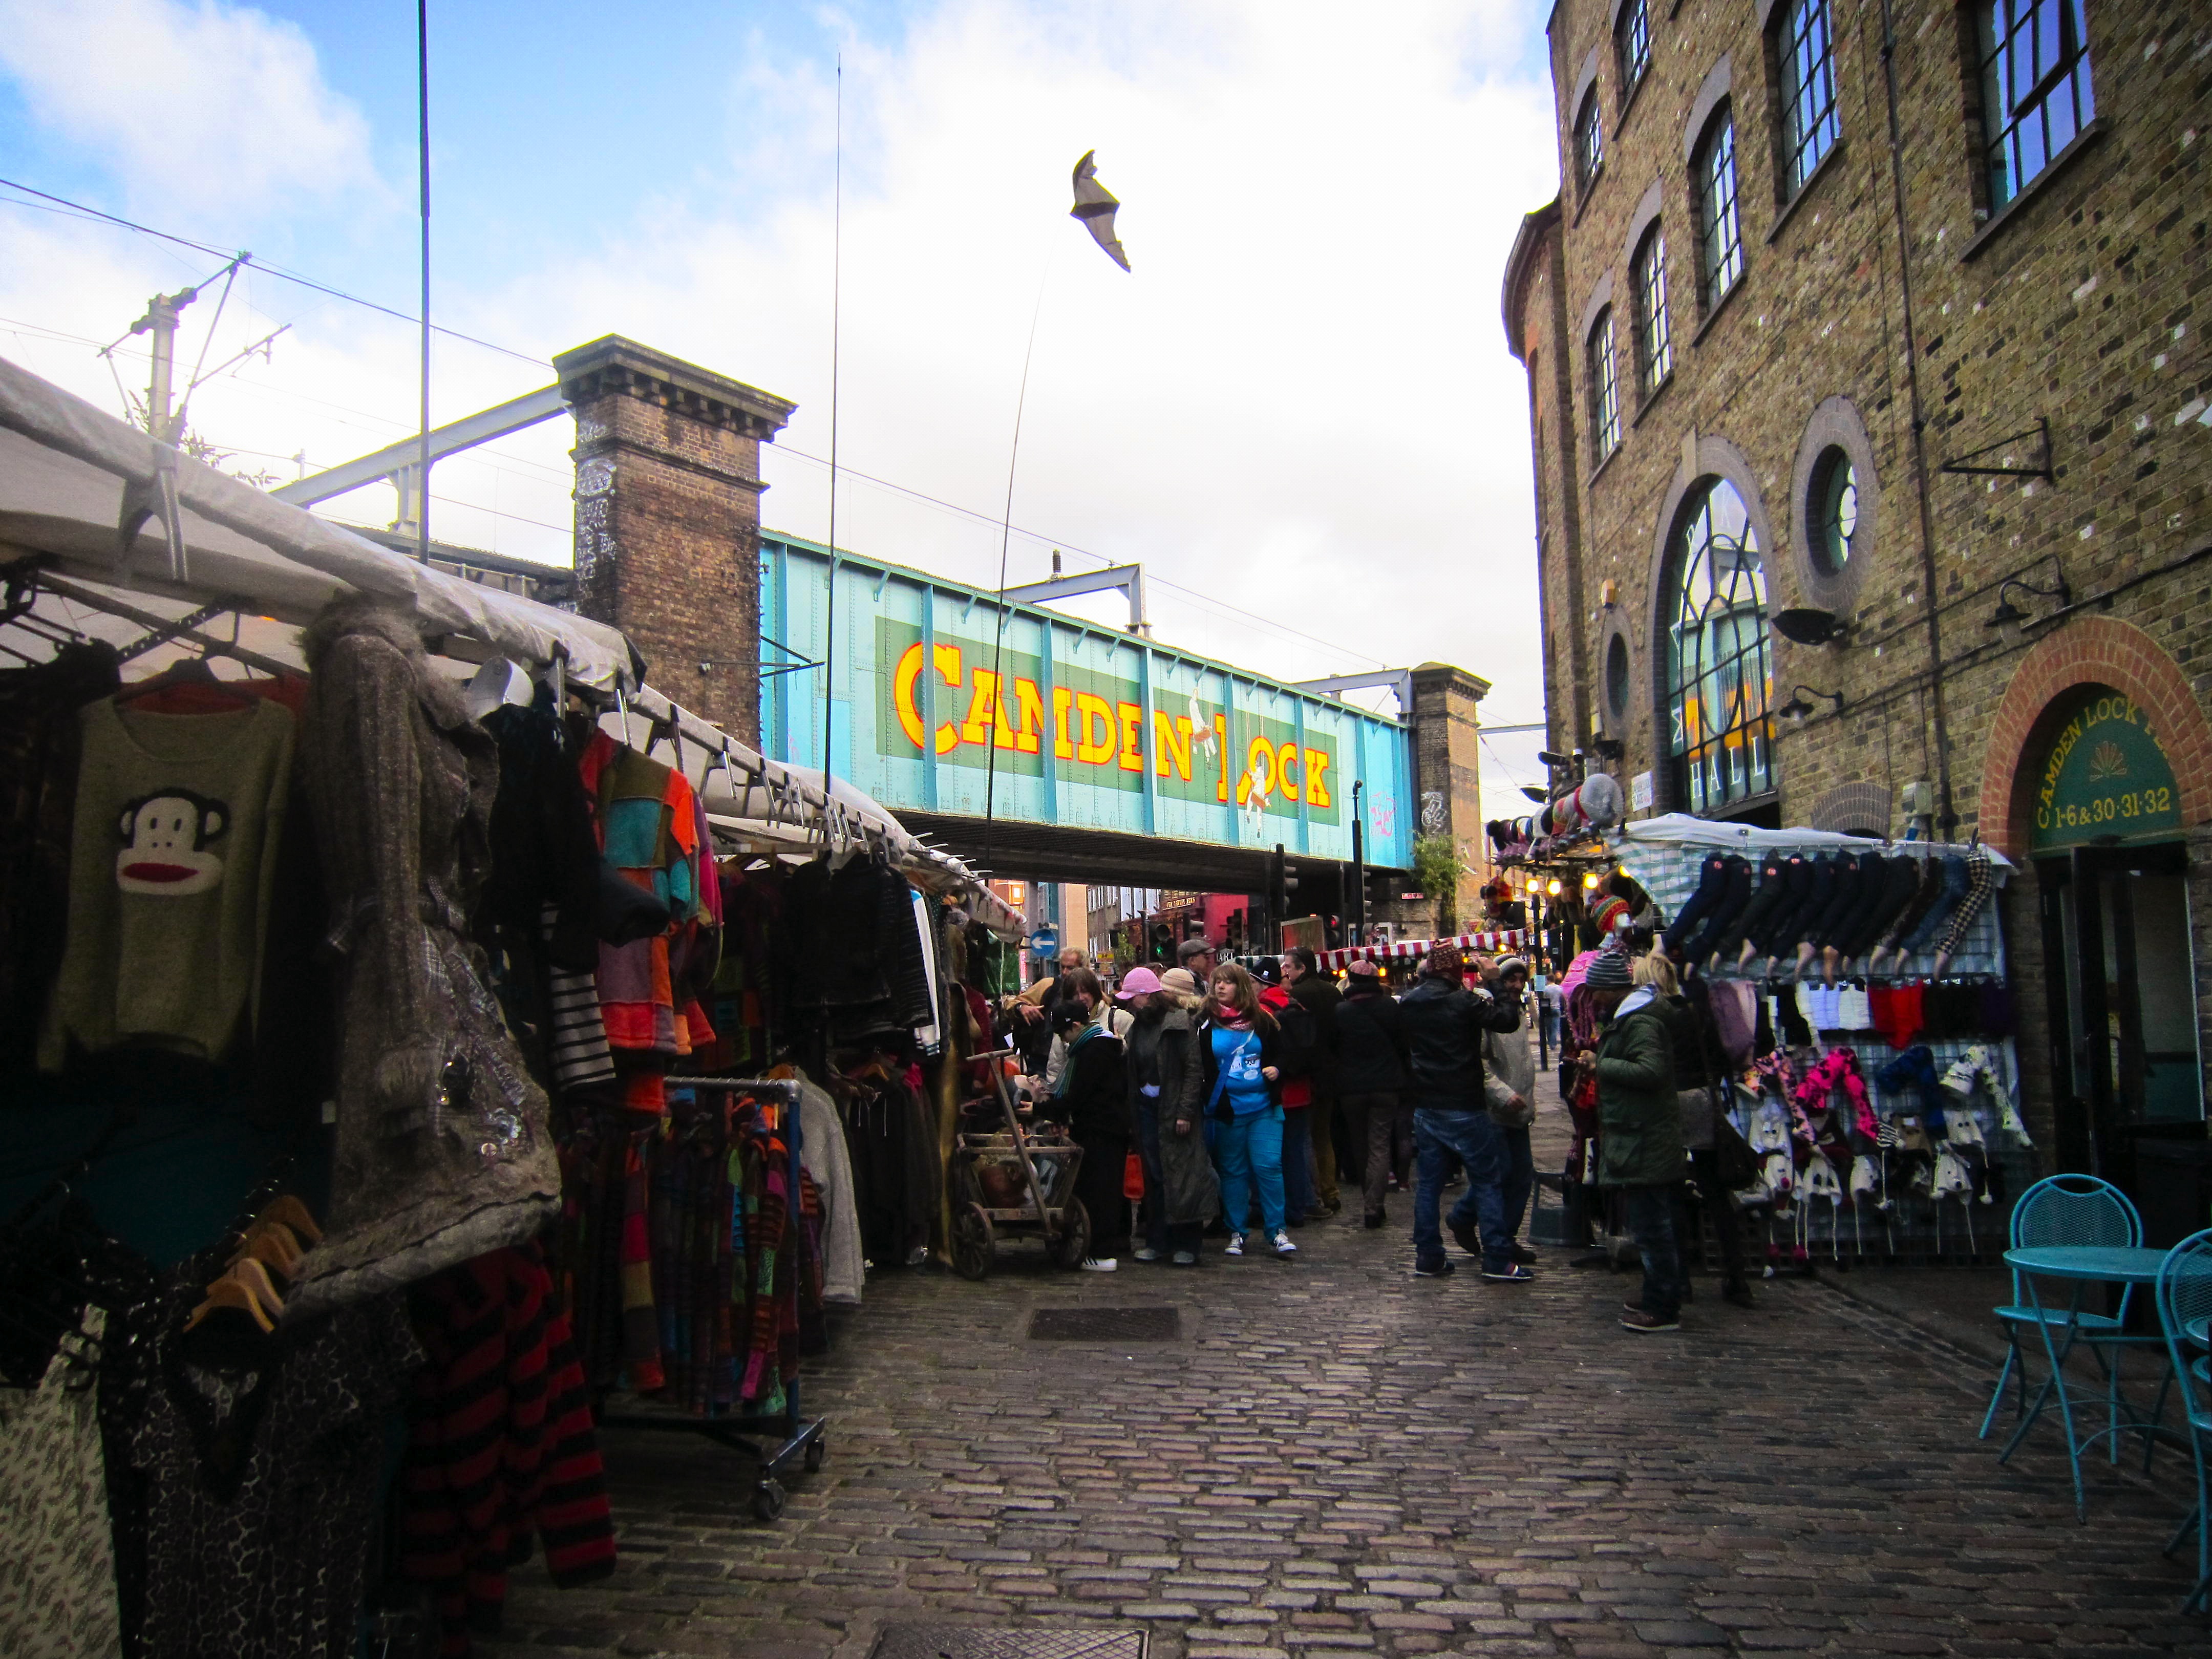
[(1901, 337)]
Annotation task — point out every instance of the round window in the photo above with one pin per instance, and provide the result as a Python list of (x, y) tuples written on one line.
[(1616, 678), (1835, 511)]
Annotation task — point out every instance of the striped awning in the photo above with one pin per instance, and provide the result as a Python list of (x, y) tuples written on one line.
[(1509, 938)]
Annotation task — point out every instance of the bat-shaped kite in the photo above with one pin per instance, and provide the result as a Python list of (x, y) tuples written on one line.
[(1094, 205)]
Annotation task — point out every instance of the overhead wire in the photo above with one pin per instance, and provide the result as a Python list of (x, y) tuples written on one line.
[(1203, 601)]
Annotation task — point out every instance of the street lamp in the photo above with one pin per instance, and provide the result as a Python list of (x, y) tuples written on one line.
[(1798, 709), (2007, 612)]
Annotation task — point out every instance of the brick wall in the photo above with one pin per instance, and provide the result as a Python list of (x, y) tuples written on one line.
[(668, 518), (2075, 307)]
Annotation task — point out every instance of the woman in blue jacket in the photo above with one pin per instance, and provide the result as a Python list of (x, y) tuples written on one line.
[(1240, 1043)]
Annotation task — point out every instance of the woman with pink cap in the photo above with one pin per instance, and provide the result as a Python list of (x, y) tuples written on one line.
[(1181, 1191)]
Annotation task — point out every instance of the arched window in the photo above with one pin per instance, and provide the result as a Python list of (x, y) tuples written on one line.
[(1604, 389), (1589, 141), (2036, 95), (1718, 670), (1631, 42), (1720, 234), (1655, 348), (1804, 50)]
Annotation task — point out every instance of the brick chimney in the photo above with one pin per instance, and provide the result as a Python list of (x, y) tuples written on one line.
[(668, 518), (1447, 772)]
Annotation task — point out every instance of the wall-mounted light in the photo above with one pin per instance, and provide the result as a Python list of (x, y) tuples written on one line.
[(1540, 796), (1801, 626), (2007, 612), (1551, 757), (1552, 887), (1590, 881), (1611, 749), (1797, 708)]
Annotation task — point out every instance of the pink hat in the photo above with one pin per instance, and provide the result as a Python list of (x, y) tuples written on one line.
[(1137, 982)]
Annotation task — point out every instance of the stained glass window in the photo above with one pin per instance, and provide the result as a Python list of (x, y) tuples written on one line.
[(1719, 674)]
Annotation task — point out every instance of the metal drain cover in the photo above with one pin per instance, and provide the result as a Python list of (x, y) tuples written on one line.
[(1105, 1325), (968, 1641)]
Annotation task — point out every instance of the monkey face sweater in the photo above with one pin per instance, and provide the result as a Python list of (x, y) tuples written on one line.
[(173, 851)]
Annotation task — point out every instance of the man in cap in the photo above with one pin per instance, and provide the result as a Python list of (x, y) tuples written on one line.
[(1197, 957), (1445, 1025)]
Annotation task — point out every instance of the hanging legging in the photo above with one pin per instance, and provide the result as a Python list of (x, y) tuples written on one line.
[(1736, 895), (1773, 887), (1981, 882), (1938, 916), (1712, 883)]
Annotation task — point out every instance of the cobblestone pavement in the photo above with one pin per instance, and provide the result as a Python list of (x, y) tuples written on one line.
[(1335, 1456)]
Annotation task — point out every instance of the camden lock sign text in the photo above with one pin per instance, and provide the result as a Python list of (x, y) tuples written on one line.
[(2106, 776)]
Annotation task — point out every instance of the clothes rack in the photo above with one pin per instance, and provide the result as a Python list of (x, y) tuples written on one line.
[(774, 1442)]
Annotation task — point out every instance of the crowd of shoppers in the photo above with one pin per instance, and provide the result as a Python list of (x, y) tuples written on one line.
[(1228, 1087)]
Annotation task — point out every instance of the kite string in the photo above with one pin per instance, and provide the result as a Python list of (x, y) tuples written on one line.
[(1005, 531)]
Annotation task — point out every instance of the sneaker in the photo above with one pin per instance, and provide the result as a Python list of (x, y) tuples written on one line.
[(1283, 1245), (1511, 1273), (1376, 1218), (1636, 1319), (1093, 1264), (1146, 1253), (1440, 1268), (1185, 1258), (1235, 1245), (1522, 1254), (1465, 1235), (1739, 1293)]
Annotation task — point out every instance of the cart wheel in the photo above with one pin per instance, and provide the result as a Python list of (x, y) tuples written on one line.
[(767, 1500), (816, 1450), (1074, 1234), (973, 1242)]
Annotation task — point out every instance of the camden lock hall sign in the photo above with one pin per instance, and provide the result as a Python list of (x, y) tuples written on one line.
[(2106, 777)]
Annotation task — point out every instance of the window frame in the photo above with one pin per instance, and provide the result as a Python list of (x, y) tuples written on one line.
[(1716, 764), (1604, 360), (2005, 176), (1633, 24), (1654, 339), (1800, 145), (1718, 139), (1589, 160)]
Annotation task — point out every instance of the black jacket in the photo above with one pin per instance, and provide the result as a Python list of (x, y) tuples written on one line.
[(1319, 996), (1696, 1046), (1370, 1041), (1444, 1027), (1096, 1101)]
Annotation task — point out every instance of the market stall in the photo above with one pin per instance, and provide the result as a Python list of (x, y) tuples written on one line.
[(1860, 991), (400, 994)]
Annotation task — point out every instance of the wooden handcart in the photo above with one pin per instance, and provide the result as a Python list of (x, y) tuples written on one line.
[(1018, 1183)]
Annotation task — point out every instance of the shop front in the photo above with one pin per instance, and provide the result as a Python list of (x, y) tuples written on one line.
[(2105, 798)]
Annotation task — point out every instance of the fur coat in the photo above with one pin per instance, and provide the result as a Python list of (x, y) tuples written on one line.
[(443, 1145)]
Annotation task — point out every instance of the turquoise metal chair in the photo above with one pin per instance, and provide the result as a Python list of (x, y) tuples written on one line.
[(2058, 1210), (2183, 1293)]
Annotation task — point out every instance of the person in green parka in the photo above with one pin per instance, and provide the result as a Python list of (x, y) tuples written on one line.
[(1639, 1128)]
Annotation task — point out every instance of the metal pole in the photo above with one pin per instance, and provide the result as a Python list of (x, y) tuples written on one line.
[(423, 146), (1358, 905)]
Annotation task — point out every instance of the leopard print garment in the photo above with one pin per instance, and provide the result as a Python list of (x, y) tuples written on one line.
[(56, 1560), (256, 1547)]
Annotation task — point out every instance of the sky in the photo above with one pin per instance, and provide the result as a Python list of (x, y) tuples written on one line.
[(1297, 410)]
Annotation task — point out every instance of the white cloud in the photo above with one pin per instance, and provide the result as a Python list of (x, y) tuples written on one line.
[(1300, 404), (204, 107)]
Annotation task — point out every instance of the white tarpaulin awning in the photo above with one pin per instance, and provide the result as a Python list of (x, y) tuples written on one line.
[(65, 468)]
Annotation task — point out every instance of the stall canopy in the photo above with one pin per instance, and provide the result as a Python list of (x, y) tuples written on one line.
[(96, 499), (1680, 830)]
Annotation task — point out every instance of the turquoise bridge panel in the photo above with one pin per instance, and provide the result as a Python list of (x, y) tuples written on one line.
[(1093, 727)]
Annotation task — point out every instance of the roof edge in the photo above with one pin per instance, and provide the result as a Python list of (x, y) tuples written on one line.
[(1525, 243)]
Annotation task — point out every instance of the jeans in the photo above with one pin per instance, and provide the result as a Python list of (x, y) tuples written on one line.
[(1651, 1222), (1383, 1123), (1298, 1163), (1248, 1150), (1440, 1135), (1520, 1178)]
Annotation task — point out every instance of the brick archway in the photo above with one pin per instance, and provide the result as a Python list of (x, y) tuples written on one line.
[(2093, 651)]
